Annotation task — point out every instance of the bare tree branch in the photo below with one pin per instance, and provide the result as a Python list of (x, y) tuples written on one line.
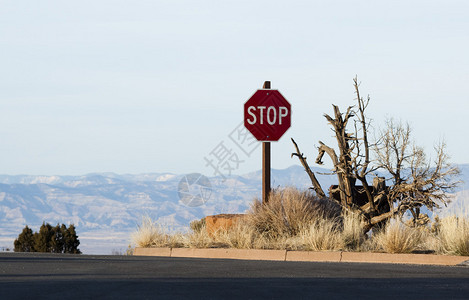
[(316, 186)]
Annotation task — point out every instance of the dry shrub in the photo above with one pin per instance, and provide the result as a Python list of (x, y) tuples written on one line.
[(149, 234), (431, 243), (261, 241), (352, 231), (323, 234), (240, 236), (176, 240), (197, 225), (453, 235), (399, 238), (288, 211), (198, 239)]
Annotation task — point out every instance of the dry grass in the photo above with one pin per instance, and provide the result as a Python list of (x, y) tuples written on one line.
[(296, 220), (352, 233), (453, 234), (198, 239), (324, 234), (288, 211), (399, 238), (149, 234), (240, 236)]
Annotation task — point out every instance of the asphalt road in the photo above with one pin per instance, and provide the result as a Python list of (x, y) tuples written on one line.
[(48, 276)]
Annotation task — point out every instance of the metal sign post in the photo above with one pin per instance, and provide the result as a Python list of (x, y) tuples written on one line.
[(266, 163)]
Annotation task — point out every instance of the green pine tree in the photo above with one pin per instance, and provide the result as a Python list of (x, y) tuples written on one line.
[(25, 241), (42, 240), (57, 240), (71, 241)]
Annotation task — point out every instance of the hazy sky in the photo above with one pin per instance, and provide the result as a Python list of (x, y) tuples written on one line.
[(157, 86)]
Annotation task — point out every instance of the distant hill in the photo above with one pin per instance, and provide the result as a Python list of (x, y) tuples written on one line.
[(107, 207)]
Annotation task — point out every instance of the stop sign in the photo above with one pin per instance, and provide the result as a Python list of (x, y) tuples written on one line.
[(267, 115)]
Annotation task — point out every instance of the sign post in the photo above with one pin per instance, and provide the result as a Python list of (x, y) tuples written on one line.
[(266, 163), (267, 115)]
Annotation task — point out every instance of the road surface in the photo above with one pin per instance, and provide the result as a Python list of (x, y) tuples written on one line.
[(59, 276)]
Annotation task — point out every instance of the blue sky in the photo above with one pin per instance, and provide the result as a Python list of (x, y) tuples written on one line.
[(156, 86)]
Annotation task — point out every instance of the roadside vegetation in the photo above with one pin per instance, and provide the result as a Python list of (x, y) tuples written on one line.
[(58, 239), (299, 220), (385, 183)]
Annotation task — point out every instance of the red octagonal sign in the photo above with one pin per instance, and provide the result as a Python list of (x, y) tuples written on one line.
[(267, 115)]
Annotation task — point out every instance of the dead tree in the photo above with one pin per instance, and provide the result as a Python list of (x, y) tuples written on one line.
[(416, 181), (422, 184)]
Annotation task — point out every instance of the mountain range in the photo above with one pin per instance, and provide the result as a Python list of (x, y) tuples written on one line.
[(106, 207)]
